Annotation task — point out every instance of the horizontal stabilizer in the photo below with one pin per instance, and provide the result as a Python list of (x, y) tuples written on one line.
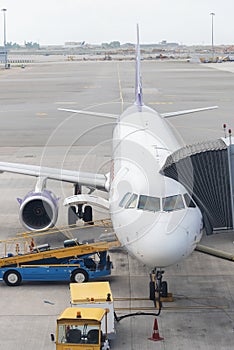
[(188, 111), (105, 115)]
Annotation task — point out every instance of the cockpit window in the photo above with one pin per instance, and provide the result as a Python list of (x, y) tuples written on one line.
[(124, 199), (173, 203), (149, 203), (189, 202), (132, 201)]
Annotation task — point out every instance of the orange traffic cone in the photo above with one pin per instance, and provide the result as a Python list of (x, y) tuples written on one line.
[(155, 334)]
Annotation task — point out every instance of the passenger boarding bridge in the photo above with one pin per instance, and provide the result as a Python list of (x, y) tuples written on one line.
[(206, 170)]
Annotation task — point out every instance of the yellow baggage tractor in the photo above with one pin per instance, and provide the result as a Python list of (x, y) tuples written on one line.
[(80, 328)]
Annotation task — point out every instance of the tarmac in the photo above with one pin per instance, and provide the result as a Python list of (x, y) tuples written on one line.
[(33, 131)]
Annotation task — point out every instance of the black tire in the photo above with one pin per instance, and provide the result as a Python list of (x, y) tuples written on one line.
[(72, 216), (152, 290), (88, 214), (12, 278), (164, 290), (79, 276)]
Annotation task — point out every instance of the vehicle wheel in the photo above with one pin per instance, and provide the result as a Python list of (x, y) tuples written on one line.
[(72, 216), (79, 276), (12, 278), (88, 214), (164, 291)]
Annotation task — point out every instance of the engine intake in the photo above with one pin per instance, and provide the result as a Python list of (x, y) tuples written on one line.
[(38, 210)]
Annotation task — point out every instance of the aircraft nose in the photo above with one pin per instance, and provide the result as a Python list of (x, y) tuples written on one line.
[(158, 249)]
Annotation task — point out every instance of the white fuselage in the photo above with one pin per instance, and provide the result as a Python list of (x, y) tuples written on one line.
[(151, 213)]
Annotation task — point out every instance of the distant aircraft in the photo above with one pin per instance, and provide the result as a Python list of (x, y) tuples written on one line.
[(153, 216)]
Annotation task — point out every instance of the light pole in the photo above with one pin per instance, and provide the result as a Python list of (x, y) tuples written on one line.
[(4, 23), (212, 33)]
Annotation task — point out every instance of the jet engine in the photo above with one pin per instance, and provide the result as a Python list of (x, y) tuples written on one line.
[(38, 210)]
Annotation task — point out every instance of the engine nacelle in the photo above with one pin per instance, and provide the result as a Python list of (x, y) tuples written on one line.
[(38, 210)]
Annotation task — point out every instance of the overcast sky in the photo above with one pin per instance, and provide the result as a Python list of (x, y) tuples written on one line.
[(97, 21)]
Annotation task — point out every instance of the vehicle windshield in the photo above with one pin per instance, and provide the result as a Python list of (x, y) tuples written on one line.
[(78, 334), (173, 203), (149, 203)]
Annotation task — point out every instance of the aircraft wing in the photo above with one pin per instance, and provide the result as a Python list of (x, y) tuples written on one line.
[(86, 179), (188, 111)]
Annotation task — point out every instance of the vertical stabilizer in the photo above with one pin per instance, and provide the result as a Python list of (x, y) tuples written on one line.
[(138, 86)]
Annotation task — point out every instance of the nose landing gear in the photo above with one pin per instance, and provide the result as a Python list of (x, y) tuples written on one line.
[(158, 289)]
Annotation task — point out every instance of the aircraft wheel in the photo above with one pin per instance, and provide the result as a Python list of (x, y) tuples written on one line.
[(12, 278), (88, 214), (79, 276), (164, 289), (152, 290), (72, 216)]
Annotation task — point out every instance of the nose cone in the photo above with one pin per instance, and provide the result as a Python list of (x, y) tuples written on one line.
[(159, 249), (164, 239)]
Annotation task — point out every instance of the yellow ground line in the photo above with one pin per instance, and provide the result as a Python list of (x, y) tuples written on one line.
[(120, 87), (172, 308), (131, 299), (160, 103), (41, 114), (91, 86), (65, 103), (125, 299)]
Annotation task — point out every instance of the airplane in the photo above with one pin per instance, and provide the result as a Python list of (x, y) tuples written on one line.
[(153, 216)]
